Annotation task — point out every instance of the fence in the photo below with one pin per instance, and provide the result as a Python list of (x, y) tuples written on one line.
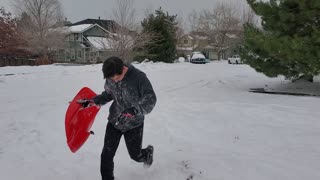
[(22, 61)]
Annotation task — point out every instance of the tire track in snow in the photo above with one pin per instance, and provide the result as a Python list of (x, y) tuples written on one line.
[(200, 83)]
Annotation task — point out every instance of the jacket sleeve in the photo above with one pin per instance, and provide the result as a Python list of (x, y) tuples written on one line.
[(148, 97), (103, 98)]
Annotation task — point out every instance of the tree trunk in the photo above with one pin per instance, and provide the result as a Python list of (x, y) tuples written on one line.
[(308, 78)]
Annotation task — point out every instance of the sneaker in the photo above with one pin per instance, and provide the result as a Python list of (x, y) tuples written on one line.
[(149, 158)]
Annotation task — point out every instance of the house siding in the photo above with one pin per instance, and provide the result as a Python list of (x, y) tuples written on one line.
[(79, 50), (95, 31)]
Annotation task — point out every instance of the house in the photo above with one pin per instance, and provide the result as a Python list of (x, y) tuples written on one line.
[(86, 43), (202, 42), (195, 41), (185, 45), (108, 25)]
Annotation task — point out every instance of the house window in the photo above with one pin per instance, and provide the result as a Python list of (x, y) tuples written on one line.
[(73, 54), (71, 36), (55, 52), (87, 54), (68, 55), (93, 54), (185, 41), (61, 52), (80, 54), (76, 37)]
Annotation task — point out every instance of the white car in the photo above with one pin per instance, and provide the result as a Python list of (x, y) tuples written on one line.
[(235, 59), (198, 57)]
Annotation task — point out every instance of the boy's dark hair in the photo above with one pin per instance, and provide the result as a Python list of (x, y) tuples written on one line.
[(112, 66)]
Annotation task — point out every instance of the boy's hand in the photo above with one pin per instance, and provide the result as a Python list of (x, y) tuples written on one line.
[(126, 115), (85, 102), (129, 112)]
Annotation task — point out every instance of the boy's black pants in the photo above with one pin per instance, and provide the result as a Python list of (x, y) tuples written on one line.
[(133, 139)]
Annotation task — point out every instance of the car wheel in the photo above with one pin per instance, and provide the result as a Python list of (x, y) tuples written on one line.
[(229, 61)]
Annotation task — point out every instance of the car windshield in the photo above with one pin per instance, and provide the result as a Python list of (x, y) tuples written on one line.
[(198, 56)]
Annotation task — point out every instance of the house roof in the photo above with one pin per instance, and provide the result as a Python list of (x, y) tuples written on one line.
[(187, 36), (79, 28), (82, 27), (190, 37), (232, 36), (109, 25), (100, 42), (73, 29), (201, 37), (185, 48)]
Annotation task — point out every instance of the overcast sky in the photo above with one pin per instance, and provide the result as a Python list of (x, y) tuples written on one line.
[(76, 10)]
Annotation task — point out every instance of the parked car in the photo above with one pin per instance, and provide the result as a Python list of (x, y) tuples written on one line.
[(235, 59), (198, 57)]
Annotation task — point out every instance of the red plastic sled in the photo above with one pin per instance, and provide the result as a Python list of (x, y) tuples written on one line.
[(79, 120)]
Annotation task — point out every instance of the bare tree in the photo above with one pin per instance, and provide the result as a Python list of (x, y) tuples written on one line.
[(38, 19), (193, 19), (10, 39), (180, 29), (127, 40), (222, 24)]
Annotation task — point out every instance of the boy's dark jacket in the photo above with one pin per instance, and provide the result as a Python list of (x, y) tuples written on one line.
[(135, 90)]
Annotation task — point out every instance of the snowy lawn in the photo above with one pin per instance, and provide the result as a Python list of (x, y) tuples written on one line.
[(205, 126)]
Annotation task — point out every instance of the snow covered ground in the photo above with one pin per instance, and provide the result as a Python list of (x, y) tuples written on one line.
[(205, 126)]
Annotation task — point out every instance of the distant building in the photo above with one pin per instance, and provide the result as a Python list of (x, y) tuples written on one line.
[(86, 41), (196, 41), (108, 25), (201, 42)]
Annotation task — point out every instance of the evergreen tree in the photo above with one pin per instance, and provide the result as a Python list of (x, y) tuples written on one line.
[(289, 42), (164, 26)]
